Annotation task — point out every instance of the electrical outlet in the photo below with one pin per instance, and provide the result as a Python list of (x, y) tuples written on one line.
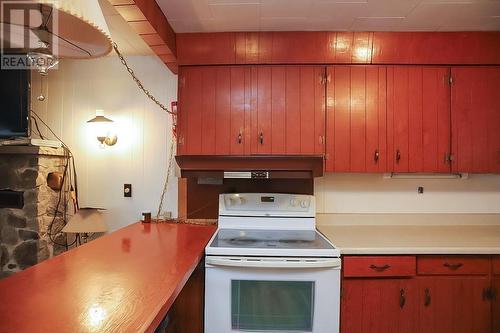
[(127, 190), (420, 190)]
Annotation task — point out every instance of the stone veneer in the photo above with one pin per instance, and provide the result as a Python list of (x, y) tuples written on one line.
[(23, 232)]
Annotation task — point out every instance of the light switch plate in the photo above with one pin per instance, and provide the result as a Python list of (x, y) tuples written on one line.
[(127, 190)]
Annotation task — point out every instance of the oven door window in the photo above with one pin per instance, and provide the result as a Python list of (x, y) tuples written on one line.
[(272, 305)]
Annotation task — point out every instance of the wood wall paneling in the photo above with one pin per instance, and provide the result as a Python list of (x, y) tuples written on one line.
[(223, 92), (208, 107), (299, 47), (237, 112), (439, 48), (376, 119), (423, 48)]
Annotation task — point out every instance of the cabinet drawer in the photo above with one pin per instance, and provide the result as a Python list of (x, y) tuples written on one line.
[(453, 265), (496, 265), (379, 266)]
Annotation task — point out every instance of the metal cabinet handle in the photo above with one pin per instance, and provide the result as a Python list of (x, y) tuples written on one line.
[(398, 156), (376, 156), (427, 300), (453, 267), (485, 294), (240, 137), (261, 138), (402, 298), (380, 268)]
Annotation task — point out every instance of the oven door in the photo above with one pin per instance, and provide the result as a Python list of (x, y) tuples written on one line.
[(249, 294)]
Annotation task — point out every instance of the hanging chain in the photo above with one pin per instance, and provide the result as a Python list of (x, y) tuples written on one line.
[(164, 108), (165, 187), (138, 82)]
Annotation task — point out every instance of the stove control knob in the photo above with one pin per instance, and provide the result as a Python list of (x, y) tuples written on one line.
[(304, 204), (294, 202), (235, 200)]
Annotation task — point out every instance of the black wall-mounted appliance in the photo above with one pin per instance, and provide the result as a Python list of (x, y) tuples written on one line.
[(14, 103)]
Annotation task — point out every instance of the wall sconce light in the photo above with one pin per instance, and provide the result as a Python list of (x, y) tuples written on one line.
[(102, 128)]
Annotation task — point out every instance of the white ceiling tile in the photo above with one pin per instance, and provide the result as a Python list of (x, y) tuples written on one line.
[(342, 23), (185, 9), (229, 2), (243, 12), (368, 15), (376, 23), (463, 16), (286, 8), (283, 23)]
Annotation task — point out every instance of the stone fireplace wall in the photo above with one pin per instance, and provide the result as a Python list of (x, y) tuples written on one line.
[(24, 237)]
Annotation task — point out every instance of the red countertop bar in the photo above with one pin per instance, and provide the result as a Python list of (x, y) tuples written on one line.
[(123, 282)]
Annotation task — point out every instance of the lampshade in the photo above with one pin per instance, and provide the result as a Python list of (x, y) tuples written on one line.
[(86, 220), (68, 28)]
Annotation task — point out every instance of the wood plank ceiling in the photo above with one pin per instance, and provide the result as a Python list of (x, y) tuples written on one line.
[(147, 19)]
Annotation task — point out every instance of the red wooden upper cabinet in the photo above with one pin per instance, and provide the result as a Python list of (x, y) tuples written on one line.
[(418, 119), (213, 110), (356, 119), (476, 119), (287, 116)]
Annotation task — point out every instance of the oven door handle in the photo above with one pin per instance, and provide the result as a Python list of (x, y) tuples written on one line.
[(256, 262)]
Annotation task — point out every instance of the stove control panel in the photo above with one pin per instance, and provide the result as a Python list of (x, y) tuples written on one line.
[(267, 204)]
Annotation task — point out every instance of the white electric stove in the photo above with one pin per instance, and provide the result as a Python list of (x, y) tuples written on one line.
[(268, 269)]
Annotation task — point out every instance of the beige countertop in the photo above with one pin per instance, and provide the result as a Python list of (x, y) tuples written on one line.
[(412, 233)]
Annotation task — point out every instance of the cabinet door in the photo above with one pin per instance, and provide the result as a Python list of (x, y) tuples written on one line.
[(305, 110), (189, 111), (378, 306), (454, 304), (356, 119), (289, 111), (418, 110), (476, 119), (213, 110), (496, 302)]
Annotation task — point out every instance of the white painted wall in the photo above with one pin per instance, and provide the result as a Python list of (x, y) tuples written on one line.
[(370, 193), (74, 92)]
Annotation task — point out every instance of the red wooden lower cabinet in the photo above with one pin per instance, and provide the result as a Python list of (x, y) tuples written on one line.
[(496, 294), (435, 301), (372, 305), (454, 304)]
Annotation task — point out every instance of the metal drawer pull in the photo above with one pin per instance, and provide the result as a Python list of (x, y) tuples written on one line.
[(427, 301), (398, 156), (240, 138), (402, 298), (453, 267), (380, 268), (376, 156), (261, 138)]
